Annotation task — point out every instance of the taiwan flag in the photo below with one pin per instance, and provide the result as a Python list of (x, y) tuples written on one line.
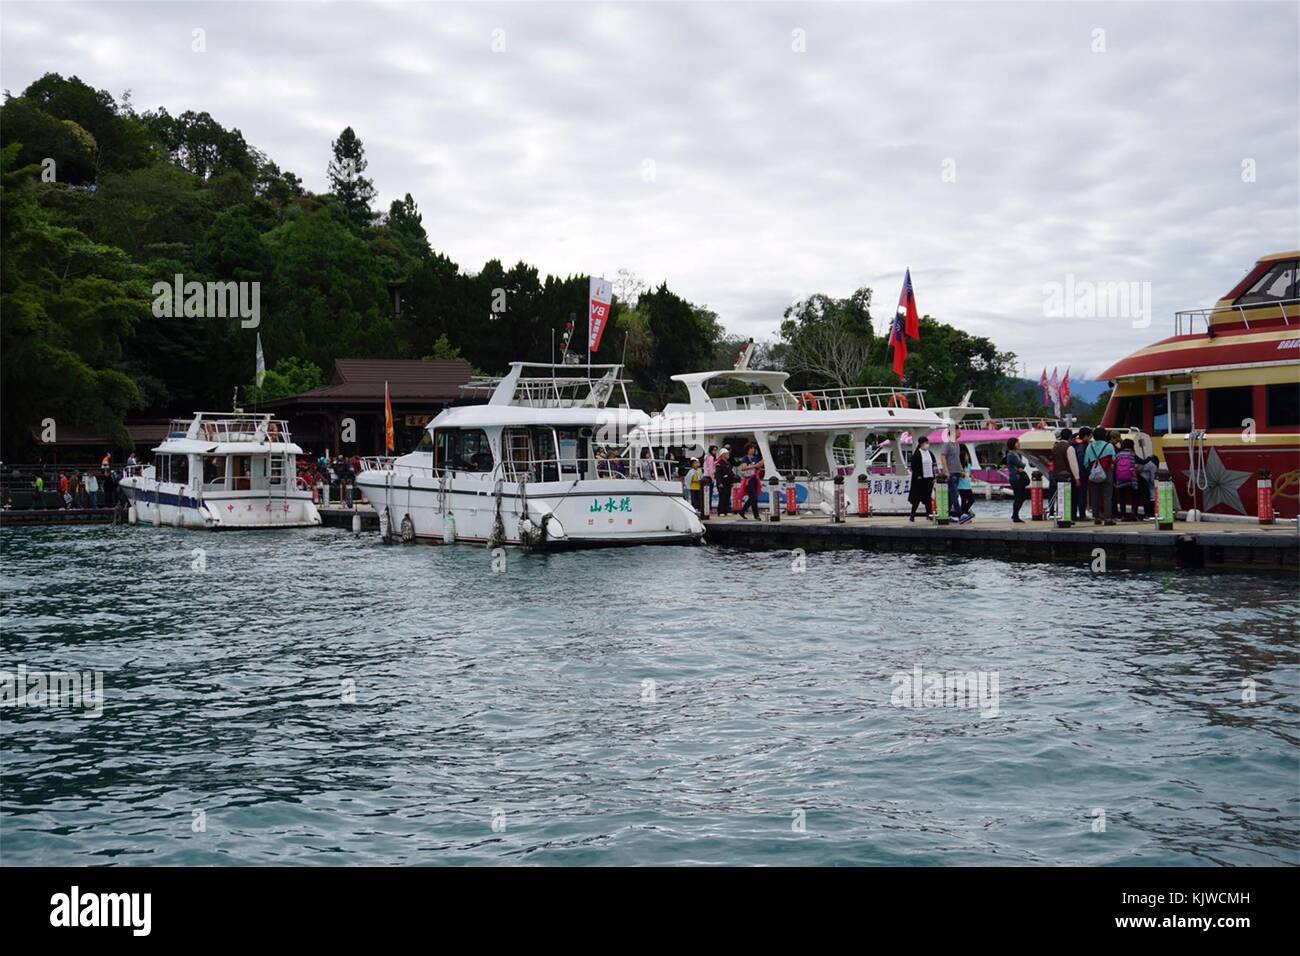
[(907, 308), (898, 342), (389, 443)]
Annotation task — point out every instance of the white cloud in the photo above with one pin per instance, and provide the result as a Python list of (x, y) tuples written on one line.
[(774, 171)]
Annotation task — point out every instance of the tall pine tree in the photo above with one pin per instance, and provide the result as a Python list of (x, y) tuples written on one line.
[(353, 190)]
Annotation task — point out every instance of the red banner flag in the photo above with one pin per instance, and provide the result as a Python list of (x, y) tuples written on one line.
[(1065, 389), (907, 308), (898, 342), (389, 441), (1047, 389), (598, 316)]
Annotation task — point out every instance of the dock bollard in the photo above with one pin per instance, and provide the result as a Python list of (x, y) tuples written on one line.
[(864, 497), (1064, 504), (837, 516), (737, 496), (1164, 500), (356, 524), (1036, 496), (774, 498), (791, 499), (941, 503), (1264, 496), (706, 498)]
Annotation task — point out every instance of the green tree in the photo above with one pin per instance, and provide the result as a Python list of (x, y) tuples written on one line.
[(289, 376), (347, 183)]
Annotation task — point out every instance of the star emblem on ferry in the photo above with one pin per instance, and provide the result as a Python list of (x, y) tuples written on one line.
[(1222, 484)]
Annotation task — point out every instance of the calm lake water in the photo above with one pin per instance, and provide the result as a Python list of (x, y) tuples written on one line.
[(316, 697)]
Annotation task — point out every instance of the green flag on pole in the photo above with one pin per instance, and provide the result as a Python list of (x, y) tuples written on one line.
[(261, 362)]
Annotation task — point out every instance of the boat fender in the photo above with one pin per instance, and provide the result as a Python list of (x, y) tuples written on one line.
[(177, 520), (356, 524), (157, 516), (131, 515), (385, 527), (408, 530), (449, 529)]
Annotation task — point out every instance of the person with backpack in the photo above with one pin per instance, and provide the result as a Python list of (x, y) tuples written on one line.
[(1126, 481), (1099, 465), (1019, 478), (1147, 473)]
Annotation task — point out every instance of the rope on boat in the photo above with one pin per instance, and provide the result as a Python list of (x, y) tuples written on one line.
[(498, 536)]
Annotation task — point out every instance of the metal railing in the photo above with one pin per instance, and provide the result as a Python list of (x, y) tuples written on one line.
[(228, 427), (833, 399), (1185, 319), (543, 392)]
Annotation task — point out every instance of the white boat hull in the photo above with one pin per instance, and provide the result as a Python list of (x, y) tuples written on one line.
[(586, 513), (175, 505)]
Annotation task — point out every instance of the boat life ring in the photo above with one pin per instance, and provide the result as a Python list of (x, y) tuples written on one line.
[(1042, 425), (810, 401), (993, 424), (898, 399), (273, 431), (207, 432)]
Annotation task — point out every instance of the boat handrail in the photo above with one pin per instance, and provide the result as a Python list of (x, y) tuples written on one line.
[(231, 427), (1185, 319), (826, 399), (575, 389)]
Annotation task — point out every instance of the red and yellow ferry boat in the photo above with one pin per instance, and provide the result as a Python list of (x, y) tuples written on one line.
[(1221, 397)]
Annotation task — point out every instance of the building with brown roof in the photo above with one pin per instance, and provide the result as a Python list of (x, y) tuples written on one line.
[(351, 404)]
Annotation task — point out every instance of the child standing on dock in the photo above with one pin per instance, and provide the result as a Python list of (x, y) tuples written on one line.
[(695, 482)]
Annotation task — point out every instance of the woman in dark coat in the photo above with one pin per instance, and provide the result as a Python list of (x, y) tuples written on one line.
[(923, 469), (725, 476)]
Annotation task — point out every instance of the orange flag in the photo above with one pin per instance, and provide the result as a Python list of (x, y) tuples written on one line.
[(389, 442)]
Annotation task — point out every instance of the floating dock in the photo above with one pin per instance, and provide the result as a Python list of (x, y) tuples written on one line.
[(1214, 546), (1219, 546)]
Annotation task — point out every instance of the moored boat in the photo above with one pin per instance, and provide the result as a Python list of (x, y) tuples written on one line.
[(1221, 397), (222, 470), (544, 463)]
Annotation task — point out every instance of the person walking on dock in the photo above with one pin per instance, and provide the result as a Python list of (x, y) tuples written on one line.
[(710, 467), (751, 474), (725, 475), (1099, 463), (1147, 473), (966, 489), (92, 489), (1019, 478), (924, 468), (952, 468)]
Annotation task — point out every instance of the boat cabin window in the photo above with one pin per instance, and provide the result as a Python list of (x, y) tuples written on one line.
[(1227, 408), (214, 471), (462, 449), (241, 472), (1180, 410), (1128, 412), (1283, 403), (426, 443), (1277, 284)]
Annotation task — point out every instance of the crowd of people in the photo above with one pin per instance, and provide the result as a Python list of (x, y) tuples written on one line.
[(52, 487), (1109, 481)]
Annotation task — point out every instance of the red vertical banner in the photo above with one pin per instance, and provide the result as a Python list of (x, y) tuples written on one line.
[(389, 440), (599, 311)]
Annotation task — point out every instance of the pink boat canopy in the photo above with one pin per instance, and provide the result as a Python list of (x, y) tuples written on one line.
[(977, 435)]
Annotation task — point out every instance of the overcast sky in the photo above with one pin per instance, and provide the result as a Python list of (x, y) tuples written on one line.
[(992, 147)]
